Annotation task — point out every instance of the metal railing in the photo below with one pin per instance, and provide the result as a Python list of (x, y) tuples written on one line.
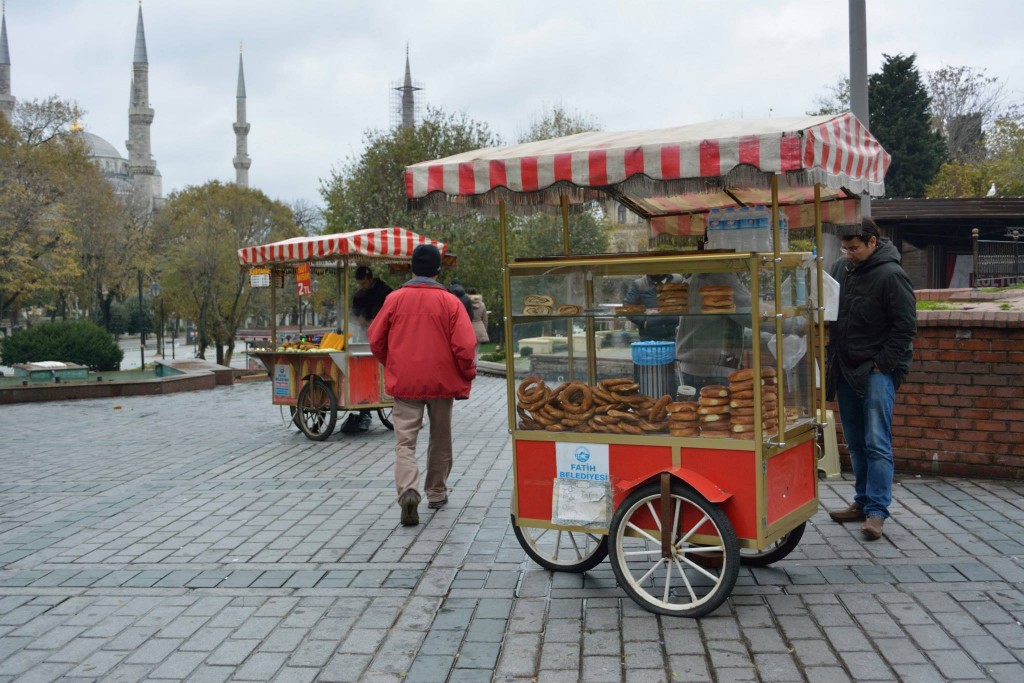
[(998, 263)]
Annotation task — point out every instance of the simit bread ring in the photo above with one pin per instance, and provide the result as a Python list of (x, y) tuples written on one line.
[(658, 409), (630, 428), (577, 398), (529, 389), (741, 375), (713, 410), (534, 406), (714, 391)]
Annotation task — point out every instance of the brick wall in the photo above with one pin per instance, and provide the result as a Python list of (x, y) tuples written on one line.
[(961, 410)]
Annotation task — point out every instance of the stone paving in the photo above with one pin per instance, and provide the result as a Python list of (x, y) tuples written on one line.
[(199, 537)]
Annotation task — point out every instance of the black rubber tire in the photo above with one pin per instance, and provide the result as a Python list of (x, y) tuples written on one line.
[(384, 414), (316, 409), (636, 556), (585, 562), (778, 550)]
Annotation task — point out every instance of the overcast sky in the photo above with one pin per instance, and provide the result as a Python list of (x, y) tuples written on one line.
[(318, 72)]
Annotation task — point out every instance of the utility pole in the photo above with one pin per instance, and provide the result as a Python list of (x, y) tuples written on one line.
[(859, 76)]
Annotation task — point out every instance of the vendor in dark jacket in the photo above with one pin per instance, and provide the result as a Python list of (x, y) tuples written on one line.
[(369, 298), (366, 304), (868, 357), (644, 290)]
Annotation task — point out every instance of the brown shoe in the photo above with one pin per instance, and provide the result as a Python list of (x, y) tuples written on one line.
[(872, 528), (853, 513), (409, 501)]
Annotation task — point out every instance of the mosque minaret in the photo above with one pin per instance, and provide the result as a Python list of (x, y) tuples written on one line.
[(6, 98), (241, 126), (146, 181)]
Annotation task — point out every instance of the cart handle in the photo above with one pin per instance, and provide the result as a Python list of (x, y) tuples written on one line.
[(704, 486)]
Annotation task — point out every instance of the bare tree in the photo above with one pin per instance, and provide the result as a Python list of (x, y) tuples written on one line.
[(310, 217), (964, 105), (836, 99), (556, 122)]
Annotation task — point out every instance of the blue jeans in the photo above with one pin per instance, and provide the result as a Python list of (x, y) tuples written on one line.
[(867, 429)]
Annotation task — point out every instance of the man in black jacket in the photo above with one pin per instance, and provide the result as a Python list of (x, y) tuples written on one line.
[(869, 353)]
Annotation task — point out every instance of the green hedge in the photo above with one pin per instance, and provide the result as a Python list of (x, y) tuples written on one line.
[(77, 341)]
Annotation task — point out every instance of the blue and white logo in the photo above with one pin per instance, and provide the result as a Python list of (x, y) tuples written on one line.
[(582, 461)]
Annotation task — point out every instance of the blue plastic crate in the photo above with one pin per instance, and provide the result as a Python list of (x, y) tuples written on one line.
[(653, 352)]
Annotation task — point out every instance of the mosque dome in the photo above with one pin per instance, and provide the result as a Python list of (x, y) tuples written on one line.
[(100, 148), (112, 165)]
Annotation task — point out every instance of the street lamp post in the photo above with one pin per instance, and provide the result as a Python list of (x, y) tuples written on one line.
[(142, 329), (154, 292)]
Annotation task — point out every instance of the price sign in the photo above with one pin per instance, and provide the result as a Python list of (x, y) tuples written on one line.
[(259, 277), (303, 283)]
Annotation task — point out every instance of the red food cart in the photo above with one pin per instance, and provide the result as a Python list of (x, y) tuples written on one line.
[(607, 460), (319, 383)]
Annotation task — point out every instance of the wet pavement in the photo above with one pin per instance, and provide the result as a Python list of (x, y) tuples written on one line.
[(199, 537)]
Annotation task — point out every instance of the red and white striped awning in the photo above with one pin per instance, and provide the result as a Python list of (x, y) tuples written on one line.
[(836, 151), (380, 245)]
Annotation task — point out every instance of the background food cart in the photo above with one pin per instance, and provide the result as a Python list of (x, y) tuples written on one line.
[(319, 383), (677, 514)]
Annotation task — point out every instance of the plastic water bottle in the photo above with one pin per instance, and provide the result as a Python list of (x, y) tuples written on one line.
[(801, 287)]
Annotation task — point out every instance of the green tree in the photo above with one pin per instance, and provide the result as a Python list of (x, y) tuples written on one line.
[(42, 165), (1003, 166), (900, 120), (959, 179), (201, 229), (369, 191)]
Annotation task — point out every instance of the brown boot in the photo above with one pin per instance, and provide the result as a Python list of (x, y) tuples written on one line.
[(853, 513), (872, 528)]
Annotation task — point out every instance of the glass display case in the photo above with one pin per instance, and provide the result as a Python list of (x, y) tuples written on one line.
[(663, 344)]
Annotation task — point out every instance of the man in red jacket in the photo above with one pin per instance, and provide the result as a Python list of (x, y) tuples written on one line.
[(425, 341)]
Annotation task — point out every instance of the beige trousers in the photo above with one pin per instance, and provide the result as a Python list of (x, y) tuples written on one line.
[(407, 417)]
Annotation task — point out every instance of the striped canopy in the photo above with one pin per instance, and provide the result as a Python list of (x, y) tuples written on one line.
[(671, 171), (379, 245)]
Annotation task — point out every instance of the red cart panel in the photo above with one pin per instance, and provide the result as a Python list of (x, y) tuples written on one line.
[(363, 380), (735, 472), (792, 480)]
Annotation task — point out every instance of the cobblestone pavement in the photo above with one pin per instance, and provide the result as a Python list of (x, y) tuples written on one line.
[(197, 537)]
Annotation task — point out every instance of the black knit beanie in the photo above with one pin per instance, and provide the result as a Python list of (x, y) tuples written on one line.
[(426, 260)]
